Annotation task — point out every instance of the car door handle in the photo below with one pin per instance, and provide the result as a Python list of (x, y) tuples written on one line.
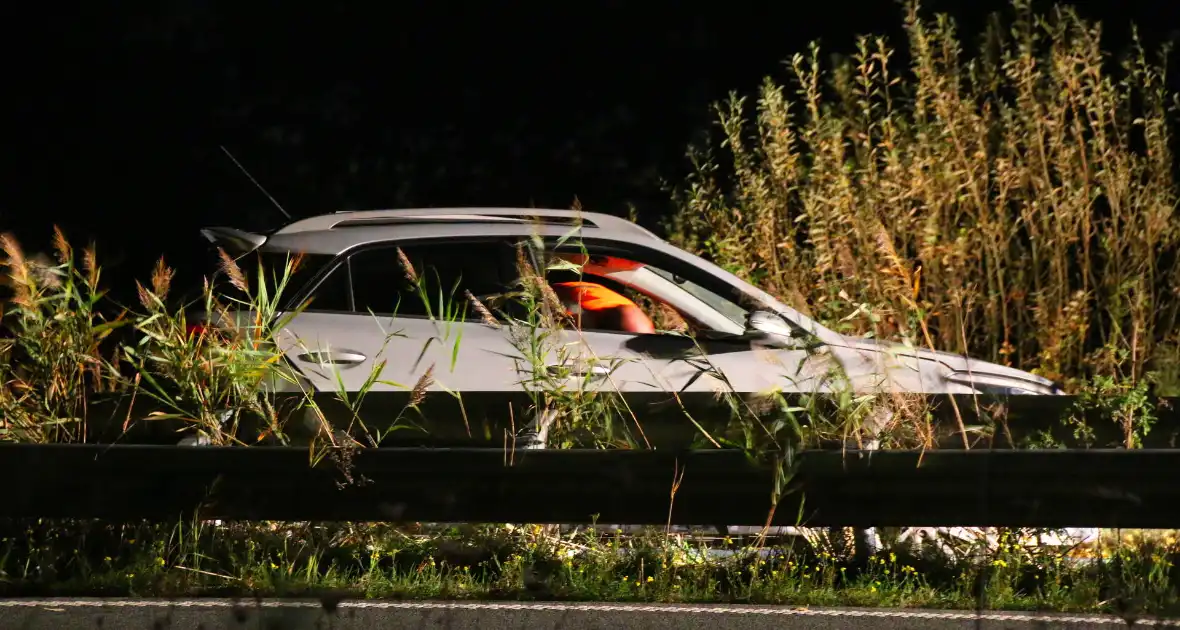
[(332, 357), (597, 371)]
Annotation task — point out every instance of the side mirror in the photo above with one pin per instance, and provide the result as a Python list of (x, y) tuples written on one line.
[(769, 328)]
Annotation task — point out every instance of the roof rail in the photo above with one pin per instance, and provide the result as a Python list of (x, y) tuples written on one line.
[(455, 218), (359, 218)]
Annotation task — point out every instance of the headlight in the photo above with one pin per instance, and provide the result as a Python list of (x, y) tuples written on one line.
[(991, 384)]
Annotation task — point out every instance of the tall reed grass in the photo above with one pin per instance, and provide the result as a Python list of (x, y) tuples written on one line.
[(55, 350), (67, 353), (1015, 203)]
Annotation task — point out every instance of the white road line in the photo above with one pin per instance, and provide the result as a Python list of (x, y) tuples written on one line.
[(716, 609)]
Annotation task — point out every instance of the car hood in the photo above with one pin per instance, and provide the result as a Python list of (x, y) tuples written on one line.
[(948, 360)]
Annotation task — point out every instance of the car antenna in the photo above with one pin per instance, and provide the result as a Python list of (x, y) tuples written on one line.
[(254, 181)]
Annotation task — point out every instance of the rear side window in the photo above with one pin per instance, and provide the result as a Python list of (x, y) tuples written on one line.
[(278, 271), (376, 280)]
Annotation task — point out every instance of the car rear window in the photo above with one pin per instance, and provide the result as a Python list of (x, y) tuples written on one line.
[(265, 266)]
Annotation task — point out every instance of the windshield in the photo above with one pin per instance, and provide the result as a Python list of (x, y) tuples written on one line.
[(726, 307)]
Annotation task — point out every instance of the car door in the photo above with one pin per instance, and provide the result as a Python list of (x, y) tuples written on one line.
[(398, 351), (676, 385)]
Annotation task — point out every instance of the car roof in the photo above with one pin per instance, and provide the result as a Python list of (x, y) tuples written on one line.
[(340, 231), (458, 216)]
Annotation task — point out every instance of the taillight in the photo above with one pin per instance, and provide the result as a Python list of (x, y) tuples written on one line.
[(197, 329)]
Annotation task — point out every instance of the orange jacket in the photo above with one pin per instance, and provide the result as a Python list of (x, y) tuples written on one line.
[(592, 297)]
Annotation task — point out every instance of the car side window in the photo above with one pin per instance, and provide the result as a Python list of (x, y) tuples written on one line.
[(376, 279), (669, 303)]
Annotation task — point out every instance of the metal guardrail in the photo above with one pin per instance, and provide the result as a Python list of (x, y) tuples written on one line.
[(1047, 488)]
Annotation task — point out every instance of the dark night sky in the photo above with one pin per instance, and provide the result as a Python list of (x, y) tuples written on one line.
[(114, 115)]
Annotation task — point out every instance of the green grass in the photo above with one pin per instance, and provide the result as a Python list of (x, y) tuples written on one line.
[(80, 558)]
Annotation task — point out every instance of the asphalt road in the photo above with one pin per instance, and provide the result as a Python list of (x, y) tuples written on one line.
[(91, 614)]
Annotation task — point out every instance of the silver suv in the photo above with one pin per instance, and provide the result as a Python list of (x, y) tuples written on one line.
[(365, 318)]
